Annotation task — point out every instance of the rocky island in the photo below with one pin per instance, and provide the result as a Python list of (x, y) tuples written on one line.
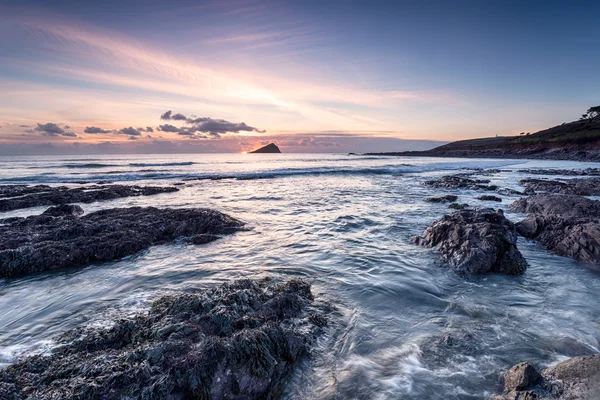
[(270, 148)]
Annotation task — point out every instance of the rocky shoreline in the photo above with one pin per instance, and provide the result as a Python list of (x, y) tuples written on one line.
[(62, 237), (14, 197)]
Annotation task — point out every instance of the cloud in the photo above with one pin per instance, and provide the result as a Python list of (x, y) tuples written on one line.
[(130, 131), (51, 129), (149, 129), (214, 127), (95, 129), (132, 138)]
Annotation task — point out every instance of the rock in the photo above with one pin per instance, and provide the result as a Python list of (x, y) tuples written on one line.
[(579, 186), (565, 172), (457, 206), (520, 377), (460, 182), (270, 148), (476, 241), (54, 241), (442, 199), (576, 378), (489, 198), (509, 192), (64, 210), (13, 197), (565, 224), (235, 341)]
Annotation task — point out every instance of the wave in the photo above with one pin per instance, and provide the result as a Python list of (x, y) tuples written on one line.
[(169, 164), (158, 174)]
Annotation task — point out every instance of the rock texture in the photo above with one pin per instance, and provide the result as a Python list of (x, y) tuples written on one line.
[(565, 224), (579, 186), (235, 341), (13, 197), (60, 238), (270, 148), (476, 241), (577, 378), (489, 198)]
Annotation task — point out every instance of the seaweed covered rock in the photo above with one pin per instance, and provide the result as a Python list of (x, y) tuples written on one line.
[(460, 182), (59, 238), (565, 224), (13, 197), (576, 378), (235, 341), (476, 241)]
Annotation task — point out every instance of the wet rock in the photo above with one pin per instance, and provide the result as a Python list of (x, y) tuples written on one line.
[(442, 199), (54, 241), (520, 377), (460, 182), (579, 186), (489, 198), (576, 378), (458, 206), (476, 241), (13, 197), (564, 172), (235, 341), (72, 210), (565, 224), (509, 192)]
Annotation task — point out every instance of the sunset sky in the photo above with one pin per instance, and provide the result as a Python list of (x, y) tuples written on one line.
[(312, 76)]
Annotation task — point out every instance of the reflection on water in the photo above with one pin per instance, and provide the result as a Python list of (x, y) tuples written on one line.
[(405, 326)]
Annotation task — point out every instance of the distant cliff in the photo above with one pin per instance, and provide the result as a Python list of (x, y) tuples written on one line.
[(270, 148), (578, 140)]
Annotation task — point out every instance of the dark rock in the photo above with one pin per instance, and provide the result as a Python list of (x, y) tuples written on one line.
[(47, 242), (235, 341), (64, 210), (457, 206), (489, 198), (576, 378), (565, 224), (579, 186), (564, 172), (509, 192), (442, 199), (270, 148), (460, 181), (13, 197), (476, 241)]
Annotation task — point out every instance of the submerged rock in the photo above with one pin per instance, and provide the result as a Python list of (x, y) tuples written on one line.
[(442, 199), (579, 186), (476, 241), (460, 182), (13, 197), (235, 341), (60, 239), (458, 206), (565, 224), (577, 378)]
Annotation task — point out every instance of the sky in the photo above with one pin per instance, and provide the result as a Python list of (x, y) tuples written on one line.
[(184, 76)]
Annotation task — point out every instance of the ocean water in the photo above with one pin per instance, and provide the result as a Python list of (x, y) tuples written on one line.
[(344, 223)]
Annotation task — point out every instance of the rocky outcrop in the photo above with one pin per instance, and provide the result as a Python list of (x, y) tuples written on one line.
[(564, 172), (577, 378), (235, 341), (579, 186), (60, 238), (13, 197), (565, 224), (476, 241), (489, 198), (442, 199), (460, 182), (270, 148)]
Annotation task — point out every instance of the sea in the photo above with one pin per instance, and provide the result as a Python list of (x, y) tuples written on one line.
[(403, 325)]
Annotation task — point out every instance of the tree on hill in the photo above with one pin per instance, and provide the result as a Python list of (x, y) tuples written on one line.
[(591, 113)]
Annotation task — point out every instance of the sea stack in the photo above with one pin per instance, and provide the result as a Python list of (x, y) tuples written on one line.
[(270, 148)]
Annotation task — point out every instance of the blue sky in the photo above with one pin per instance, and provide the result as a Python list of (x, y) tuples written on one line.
[(381, 75)]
